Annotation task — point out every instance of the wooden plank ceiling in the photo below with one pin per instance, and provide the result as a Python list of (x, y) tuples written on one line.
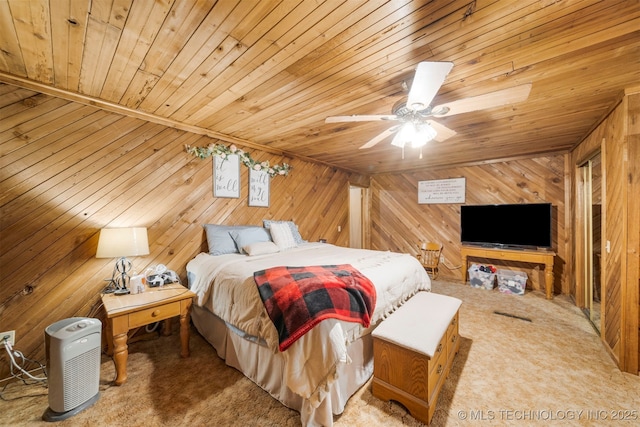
[(265, 74)]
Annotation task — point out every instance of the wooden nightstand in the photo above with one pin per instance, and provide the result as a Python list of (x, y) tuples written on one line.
[(126, 312)]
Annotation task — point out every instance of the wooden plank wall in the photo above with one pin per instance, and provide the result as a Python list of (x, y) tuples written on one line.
[(399, 223), (68, 170), (604, 139), (616, 139), (632, 300), (614, 229)]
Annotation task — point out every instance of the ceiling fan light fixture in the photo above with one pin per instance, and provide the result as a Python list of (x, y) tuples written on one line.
[(414, 134), (416, 143), (429, 131), (405, 135), (425, 134)]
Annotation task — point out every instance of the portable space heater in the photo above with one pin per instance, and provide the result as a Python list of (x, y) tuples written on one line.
[(72, 348)]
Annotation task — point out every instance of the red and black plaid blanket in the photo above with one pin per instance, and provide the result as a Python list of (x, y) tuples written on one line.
[(298, 298)]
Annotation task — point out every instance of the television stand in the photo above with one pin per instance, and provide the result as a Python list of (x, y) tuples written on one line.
[(534, 257)]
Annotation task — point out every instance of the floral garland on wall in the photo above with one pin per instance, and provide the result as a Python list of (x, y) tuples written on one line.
[(224, 151)]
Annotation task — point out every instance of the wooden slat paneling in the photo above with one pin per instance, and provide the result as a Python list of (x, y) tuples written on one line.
[(399, 223), (33, 30), (619, 245), (631, 299), (142, 26), (71, 174), (269, 73), (11, 58), (614, 227), (68, 26)]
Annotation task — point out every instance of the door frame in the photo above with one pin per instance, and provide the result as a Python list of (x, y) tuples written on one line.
[(363, 206)]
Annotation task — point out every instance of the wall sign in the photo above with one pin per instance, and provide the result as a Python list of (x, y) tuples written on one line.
[(259, 182), (441, 191), (226, 176)]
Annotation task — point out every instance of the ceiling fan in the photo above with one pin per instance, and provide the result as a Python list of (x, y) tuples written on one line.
[(416, 115)]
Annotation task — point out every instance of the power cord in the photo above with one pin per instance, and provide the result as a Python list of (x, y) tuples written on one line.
[(451, 267), (22, 373), (21, 367)]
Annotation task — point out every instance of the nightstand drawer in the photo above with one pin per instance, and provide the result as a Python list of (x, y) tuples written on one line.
[(155, 314)]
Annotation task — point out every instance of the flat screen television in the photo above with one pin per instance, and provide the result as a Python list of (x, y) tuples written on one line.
[(522, 226)]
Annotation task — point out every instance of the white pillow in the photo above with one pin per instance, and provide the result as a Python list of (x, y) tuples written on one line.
[(261, 248), (292, 225), (282, 236)]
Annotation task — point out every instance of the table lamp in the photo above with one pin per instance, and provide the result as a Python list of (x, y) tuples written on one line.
[(121, 243)]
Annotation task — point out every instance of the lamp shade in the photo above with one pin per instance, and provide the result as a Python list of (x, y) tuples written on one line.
[(122, 242)]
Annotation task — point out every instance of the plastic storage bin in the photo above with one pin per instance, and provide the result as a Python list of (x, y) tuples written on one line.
[(481, 279), (512, 282)]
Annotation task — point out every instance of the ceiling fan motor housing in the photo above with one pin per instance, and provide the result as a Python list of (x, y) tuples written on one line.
[(405, 113)]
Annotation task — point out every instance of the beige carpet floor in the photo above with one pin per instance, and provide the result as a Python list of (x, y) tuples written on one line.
[(552, 370)]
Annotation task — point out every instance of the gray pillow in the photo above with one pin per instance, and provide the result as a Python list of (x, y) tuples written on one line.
[(219, 238), (247, 236)]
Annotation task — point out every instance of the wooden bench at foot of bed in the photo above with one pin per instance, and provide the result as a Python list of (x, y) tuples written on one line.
[(413, 350)]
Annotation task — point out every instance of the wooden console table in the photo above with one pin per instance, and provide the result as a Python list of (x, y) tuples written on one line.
[(536, 257)]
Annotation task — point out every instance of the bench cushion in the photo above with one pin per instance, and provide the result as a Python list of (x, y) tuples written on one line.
[(420, 323)]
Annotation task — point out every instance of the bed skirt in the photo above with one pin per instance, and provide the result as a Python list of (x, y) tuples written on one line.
[(265, 368)]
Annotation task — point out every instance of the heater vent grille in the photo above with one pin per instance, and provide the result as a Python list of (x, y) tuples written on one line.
[(80, 379)]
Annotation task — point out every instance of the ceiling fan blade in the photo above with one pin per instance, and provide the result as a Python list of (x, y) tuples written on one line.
[(380, 137), (488, 100), (426, 83), (444, 132), (362, 118)]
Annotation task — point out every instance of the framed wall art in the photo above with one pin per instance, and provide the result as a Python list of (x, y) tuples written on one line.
[(259, 182), (441, 191), (226, 176)]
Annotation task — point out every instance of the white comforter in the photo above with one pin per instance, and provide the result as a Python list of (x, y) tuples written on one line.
[(224, 284)]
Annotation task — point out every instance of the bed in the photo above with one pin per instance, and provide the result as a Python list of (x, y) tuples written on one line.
[(317, 373)]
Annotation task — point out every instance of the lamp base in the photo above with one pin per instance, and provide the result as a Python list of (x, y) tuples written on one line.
[(121, 292)]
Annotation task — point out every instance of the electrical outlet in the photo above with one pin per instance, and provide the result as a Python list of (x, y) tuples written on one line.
[(441, 258), (9, 336)]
